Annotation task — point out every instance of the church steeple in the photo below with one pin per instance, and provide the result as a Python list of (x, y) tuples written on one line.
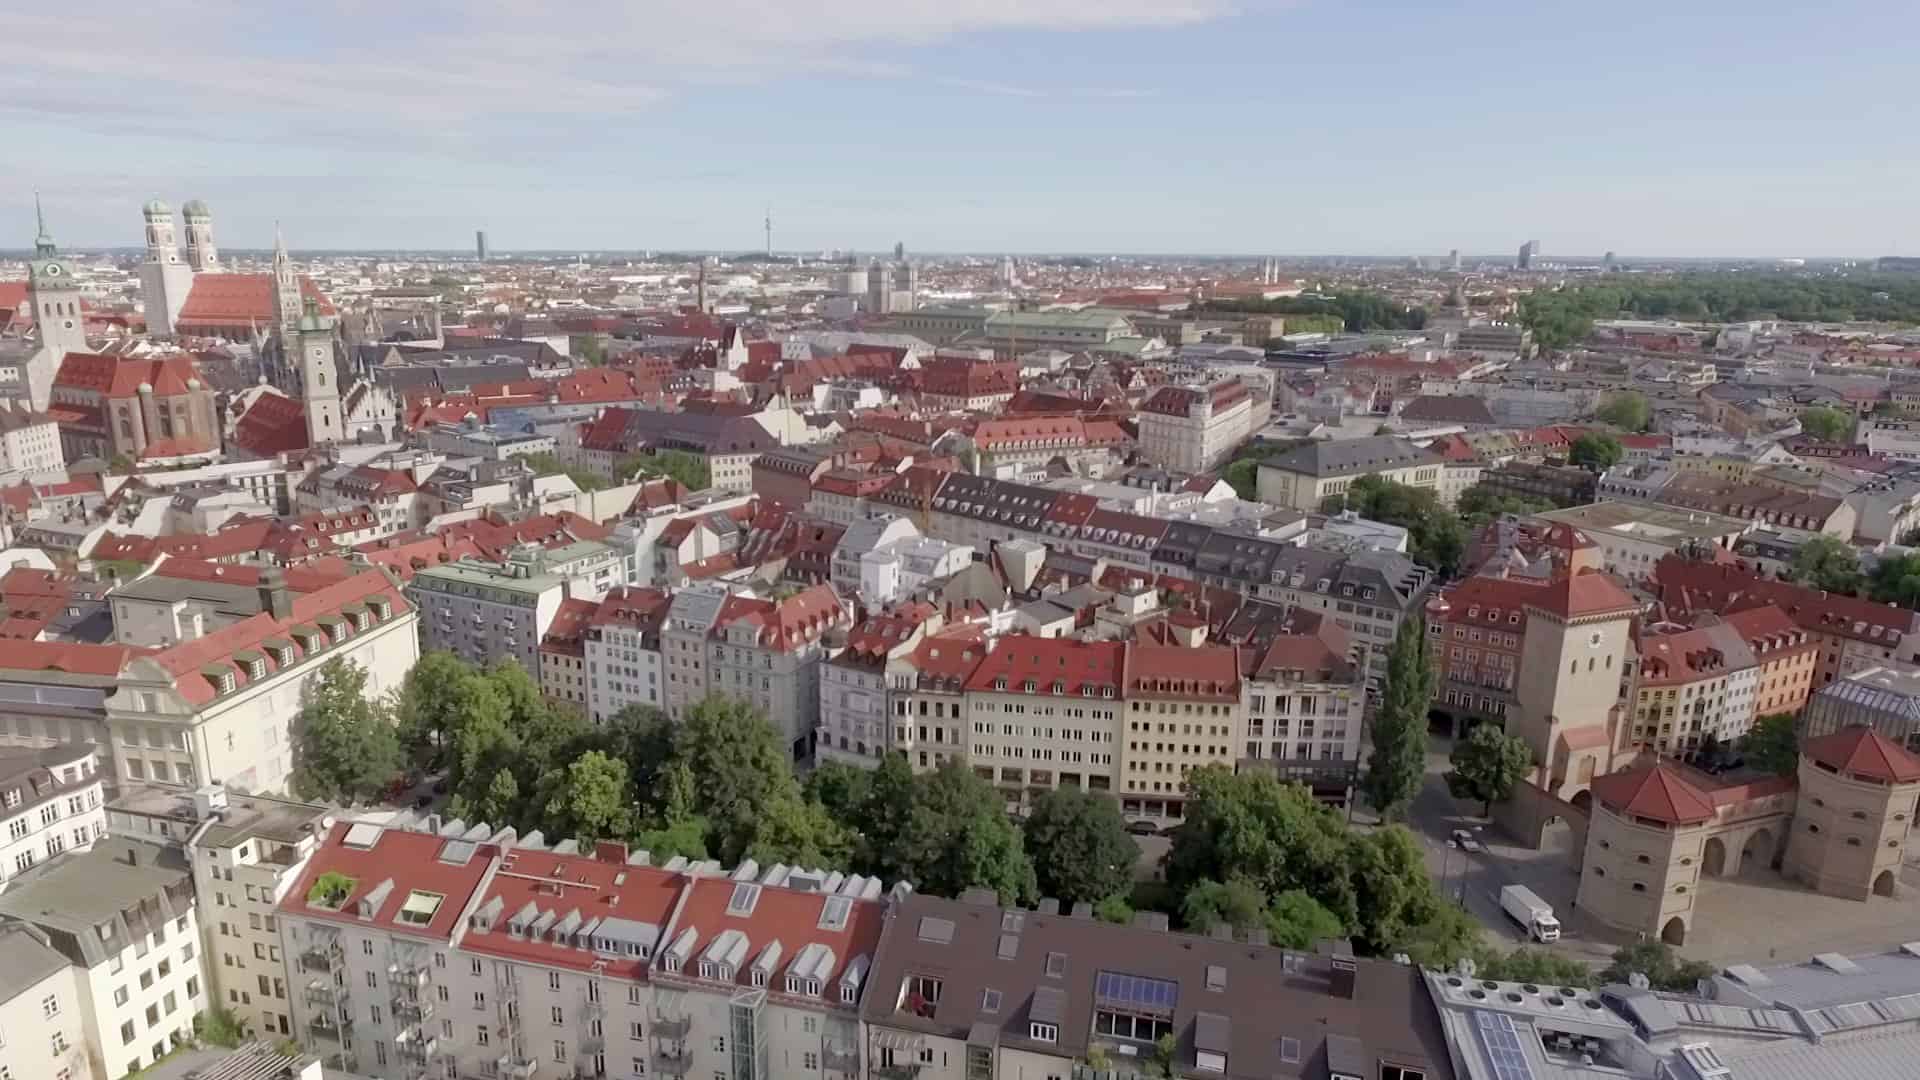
[(43, 240), (286, 286)]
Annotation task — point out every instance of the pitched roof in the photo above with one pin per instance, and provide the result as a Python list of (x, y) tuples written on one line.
[(1580, 595), (1866, 752), (234, 301), (1348, 457), (404, 862), (1076, 666), (588, 891), (1657, 792), (273, 424)]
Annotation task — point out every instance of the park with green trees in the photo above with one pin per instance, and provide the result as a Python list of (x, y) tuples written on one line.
[(1358, 310), (1565, 316)]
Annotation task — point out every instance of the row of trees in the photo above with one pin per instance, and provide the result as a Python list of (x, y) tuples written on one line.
[(718, 784), (689, 469), (1358, 310)]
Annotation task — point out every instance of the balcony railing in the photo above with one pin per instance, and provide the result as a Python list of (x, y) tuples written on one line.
[(330, 1026), (322, 958), (412, 1009), (326, 993), (836, 1058), (671, 1062), (418, 1050), (906, 1071), (673, 1030), (514, 1068)]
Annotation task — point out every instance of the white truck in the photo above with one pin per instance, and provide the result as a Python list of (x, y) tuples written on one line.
[(1523, 907)]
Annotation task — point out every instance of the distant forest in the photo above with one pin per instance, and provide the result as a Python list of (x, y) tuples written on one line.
[(1562, 317)]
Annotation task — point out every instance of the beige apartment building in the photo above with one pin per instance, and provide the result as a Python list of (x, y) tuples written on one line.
[(1195, 428), (1183, 711), (1046, 713), (40, 1008), (1305, 477)]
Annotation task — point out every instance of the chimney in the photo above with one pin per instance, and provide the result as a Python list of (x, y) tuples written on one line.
[(1345, 972), (274, 598)]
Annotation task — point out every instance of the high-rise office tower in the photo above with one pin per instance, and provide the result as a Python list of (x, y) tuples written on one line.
[(480, 244)]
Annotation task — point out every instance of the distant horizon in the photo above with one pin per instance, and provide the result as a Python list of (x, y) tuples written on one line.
[(1093, 126), (497, 254)]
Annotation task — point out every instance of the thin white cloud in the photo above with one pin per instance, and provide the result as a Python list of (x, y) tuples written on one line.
[(492, 67)]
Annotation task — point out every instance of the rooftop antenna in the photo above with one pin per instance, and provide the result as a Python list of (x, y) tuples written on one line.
[(769, 225)]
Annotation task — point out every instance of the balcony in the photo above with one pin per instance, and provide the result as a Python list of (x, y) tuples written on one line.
[(326, 993), (842, 1059), (330, 1026), (514, 1068), (322, 958), (674, 1030), (411, 1009), (409, 974), (591, 1041), (418, 1050), (906, 1071), (671, 1062), (1087, 1072)]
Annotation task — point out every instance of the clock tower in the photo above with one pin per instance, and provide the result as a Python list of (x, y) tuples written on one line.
[(54, 297)]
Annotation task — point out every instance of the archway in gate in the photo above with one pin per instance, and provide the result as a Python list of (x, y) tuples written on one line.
[(1713, 858), (1756, 855), (1675, 932), (1884, 884)]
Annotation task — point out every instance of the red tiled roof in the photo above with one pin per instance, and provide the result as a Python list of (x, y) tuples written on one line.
[(1209, 672), (411, 861), (1865, 752), (569, 623), (598, 886), (1076, 665), (1691, 586), (122, 376), (273, 424), (232, 301), (69, 657), (409, 557), (631, 605), (1582, 595), (1654, 791), (789, 916)]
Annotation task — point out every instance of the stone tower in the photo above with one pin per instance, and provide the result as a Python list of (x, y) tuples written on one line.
[(319, 382), (165, 279), (54, 297), (287, 304), (201, 254), (1856, 803)]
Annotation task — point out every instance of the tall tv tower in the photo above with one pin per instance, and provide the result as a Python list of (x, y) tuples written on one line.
[(769, 234)]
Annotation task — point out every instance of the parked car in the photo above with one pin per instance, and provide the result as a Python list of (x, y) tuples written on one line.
[(1468, 842), (1143, 827)]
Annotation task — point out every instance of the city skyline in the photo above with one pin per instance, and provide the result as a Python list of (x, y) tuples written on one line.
[(1193, 126)]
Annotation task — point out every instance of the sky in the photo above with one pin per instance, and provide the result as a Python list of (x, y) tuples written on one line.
[(1293, 127)]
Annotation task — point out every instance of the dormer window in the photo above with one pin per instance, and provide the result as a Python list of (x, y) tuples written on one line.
[(813, 987), (672, 963), (848, 993), (793, 985), (759, 977), (709, 971)]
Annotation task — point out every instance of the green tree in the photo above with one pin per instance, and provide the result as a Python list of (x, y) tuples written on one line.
[(1257, 828), (1772, 744), (842, 789), (1896, 580), (958, 837), (1244, 475), (1827, 562), (1237, 903), (438, 693), (642, 737), (799, 833), (1595, 450), (1659, 963), (500, 801), (1114, 909), (740, 767), (594, 801), (689, 469), (120, 465), (1448, 935), (1080, 846), (345, 748), (1298, 921), (545, 464), (1399, 758), (1628, 411), (1827, 425), (1538, 966), (1435, 537), (1487, 764), (1393, 893), (1480, 504), (587, 349)]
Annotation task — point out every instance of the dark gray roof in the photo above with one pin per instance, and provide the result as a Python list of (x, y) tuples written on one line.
[(1448, 409), (1268, 993), (25, 959), (93, 904), (1351, 457)]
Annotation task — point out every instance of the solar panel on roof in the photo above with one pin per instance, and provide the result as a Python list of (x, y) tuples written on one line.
[(1502, 1044), (745, 895), (1137, 992)]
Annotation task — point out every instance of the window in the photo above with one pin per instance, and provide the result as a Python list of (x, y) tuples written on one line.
[(1401, 1072), (553, 980), (481, 1036), (1289, 1050), (1044, 1032), (636, 1031), (556, 1016), (50, 1005), (560, 1050)]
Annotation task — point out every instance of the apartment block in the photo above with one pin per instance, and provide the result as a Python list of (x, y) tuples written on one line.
[(122, 915), (50, 803), (1183, 711), (487, 611), (1047, 714), (1194, 429), (622, 647), (42, 1024)]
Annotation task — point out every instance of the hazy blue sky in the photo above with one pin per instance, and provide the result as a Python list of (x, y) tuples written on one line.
[(1368, 127)]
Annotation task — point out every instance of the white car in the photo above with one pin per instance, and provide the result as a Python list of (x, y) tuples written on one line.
[(1468, 842)]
